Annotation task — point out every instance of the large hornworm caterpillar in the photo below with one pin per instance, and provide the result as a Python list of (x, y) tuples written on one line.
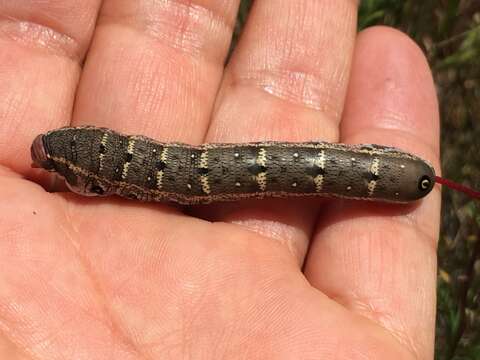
[(99, 161)]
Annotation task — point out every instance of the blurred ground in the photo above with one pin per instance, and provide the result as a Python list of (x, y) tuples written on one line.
[(449, 33)]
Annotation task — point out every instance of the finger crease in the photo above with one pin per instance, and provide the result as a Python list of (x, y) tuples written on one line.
[(295, 87), (186, 27), (37, 36)]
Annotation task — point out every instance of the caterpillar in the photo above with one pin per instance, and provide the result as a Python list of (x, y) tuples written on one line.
[(99, 162)]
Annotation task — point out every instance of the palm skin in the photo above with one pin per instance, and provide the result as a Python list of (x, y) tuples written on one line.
[(89, 278)]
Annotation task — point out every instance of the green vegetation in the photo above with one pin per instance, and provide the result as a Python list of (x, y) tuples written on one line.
[(449, 33)]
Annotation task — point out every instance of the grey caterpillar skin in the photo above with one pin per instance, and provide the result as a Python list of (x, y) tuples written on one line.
[(100, 161)]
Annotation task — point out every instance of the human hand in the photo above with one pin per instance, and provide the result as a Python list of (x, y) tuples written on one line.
[(86, 278)]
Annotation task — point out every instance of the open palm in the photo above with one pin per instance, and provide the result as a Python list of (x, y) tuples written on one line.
[(89, 278)]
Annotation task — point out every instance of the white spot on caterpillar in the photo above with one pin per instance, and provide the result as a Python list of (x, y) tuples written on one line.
[(318, 180), (262, 157), (375, 166), (320, 162), (204, 159), (189, 186), (159, 179), (164, 154), (236, 155), (204, 178), (349, 188), (205, 184), (104, 144), (130, 147), (163, 158), (262, 177), (402, 166), (374, 169), (294, 184), (262, 181), (237, 184), (295, 155), (125, 170)]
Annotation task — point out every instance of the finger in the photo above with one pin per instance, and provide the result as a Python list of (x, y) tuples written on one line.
[(154, 67), (379, 260), (286, 81), (42, 44)]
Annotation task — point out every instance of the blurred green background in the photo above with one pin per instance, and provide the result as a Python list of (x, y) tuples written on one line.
[(449, 33)]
